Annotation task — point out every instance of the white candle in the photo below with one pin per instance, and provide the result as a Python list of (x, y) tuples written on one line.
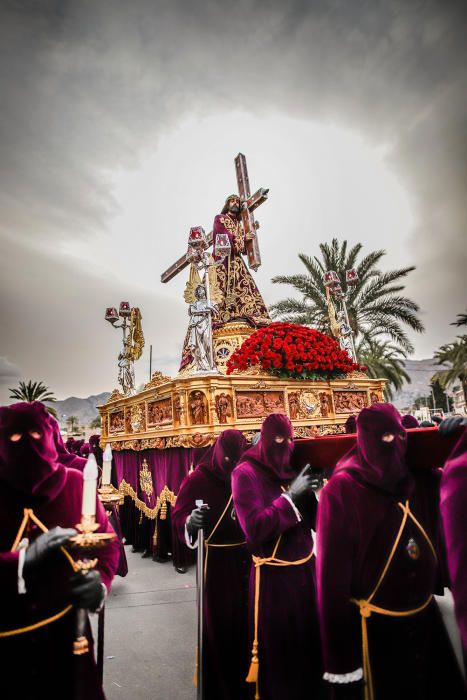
[(106, 465), (90, 486)]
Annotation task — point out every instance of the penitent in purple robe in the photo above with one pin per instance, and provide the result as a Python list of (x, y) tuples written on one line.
[(226, 585), (454, 515), (288, 636), (40, 663), (359, 518)]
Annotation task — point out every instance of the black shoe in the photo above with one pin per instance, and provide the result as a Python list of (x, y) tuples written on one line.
[(136, 549), (181, 569), (160, 559), (146, 554)]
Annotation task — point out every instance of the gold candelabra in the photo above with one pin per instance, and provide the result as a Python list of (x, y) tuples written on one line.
[(86, 542)]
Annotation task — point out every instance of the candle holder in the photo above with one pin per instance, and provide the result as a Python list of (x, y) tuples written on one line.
[(86, 541), (109, 495)]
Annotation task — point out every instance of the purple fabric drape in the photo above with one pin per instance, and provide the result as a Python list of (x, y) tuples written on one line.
[(168, 468)]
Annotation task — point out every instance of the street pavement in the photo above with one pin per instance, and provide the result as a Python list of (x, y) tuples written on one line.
[(150, 632)]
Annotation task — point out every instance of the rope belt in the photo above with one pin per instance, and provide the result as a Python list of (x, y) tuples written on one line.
[(37, 625), (366, 607), (258, 562), (208, 543)]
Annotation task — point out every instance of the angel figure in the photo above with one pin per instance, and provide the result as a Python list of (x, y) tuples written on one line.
[(197, 348), (126, 372), (200, 330)]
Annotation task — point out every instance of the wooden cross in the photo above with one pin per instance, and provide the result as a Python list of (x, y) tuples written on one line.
[(249, 202)]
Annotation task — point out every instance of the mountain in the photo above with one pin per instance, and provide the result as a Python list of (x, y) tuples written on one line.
[(84, 409), (420, 373)]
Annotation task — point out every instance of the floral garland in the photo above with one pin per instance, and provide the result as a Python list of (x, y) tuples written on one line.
[(293, 351)]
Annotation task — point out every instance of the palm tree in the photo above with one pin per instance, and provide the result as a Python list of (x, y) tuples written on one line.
[(454, 358), (384, 360), (95, 423), (72, 424), (34, 391), (376, 307)]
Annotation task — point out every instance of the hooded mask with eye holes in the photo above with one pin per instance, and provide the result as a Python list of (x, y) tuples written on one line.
[(273, 450), (224, 455), (378, 456), (28, 457)]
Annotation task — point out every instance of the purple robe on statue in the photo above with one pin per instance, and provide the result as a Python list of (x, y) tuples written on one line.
[(226, 583), (408, 657), (287, 634), (40, 663), (454, 515)]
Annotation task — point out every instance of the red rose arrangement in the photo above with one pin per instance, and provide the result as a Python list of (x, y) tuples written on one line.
[(289, 350)]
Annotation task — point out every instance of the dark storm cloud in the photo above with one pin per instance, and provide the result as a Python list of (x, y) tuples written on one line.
[(87, 87)]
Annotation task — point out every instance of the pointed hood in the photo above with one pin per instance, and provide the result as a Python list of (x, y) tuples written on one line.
[(378, 457), (409, 421), (273, 451), (28, 457), (224, 455)]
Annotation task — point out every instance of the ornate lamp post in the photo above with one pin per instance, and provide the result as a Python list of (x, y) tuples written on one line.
[(345, 332), (126, 371)]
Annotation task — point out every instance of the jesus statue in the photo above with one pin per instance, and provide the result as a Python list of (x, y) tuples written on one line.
[(241, 299)]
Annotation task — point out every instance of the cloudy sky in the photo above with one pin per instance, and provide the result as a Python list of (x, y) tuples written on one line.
[(119, 123)]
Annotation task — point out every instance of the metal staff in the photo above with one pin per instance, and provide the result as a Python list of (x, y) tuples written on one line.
[(200, 601), (100, 643)]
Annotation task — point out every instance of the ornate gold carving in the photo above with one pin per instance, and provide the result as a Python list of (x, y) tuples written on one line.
[(137, 418), (116, 394), (375, 397), (224, 407), (256, 404), (333, 429), (306, 431), (156, 380), (325, 403), (160, 413), (350, 401), (259, 385), (193, 281), (145, 479), (165, 496), (136, 335), (198, 406), (303, 404), (117, 422)]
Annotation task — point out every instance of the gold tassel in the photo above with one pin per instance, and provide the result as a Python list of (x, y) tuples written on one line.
[(254, 666), (195, 674)]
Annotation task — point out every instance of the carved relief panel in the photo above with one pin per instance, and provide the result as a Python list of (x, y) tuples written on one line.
[(325, 402), (138, 418), (350, 401), (257, 404), (160, 413), (303, 404), (198, 408), (117, 422), (224, 407)]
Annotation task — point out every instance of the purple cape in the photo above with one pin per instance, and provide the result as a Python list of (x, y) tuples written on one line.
[(289, 653), (41, 662), (358, 520), (226, 585), (454, 515)]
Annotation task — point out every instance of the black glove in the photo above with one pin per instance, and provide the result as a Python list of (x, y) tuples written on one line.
[(198, 519), (450, 425), (302, 486), (46, 544), (87, 590)]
